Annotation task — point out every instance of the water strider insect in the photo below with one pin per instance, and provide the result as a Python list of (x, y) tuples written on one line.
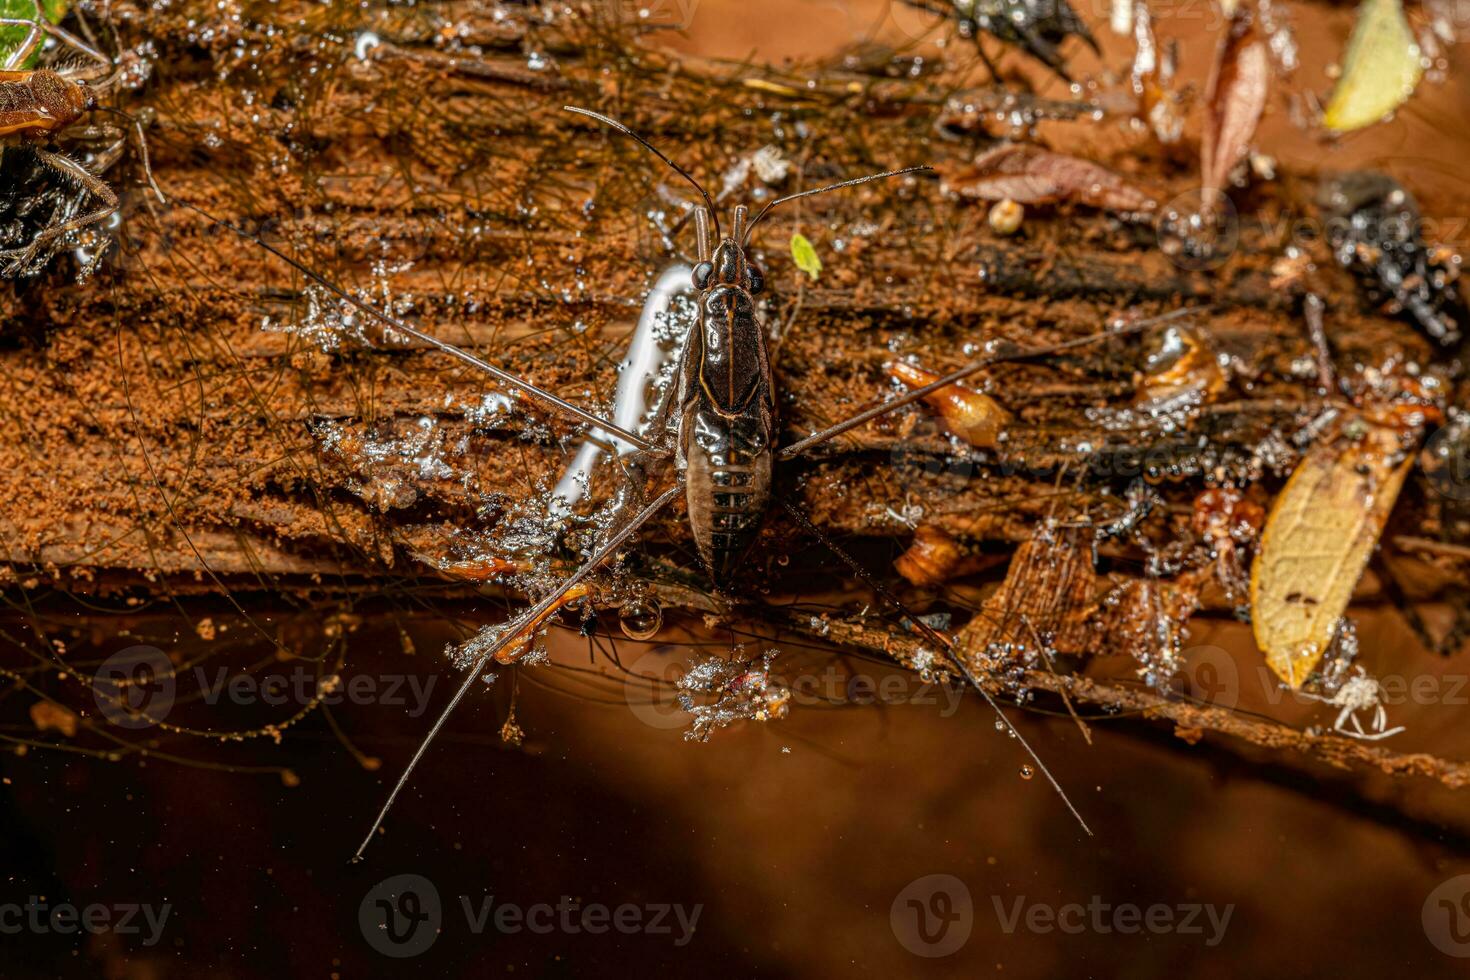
[(714, 444), (40, 106)]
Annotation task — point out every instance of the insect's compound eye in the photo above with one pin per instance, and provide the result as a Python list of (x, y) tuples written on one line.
[(702, 273), (757, 279)]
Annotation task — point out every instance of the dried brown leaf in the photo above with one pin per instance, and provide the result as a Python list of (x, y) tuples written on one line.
[(1046, 597), (1028, 174), (1234, 101)]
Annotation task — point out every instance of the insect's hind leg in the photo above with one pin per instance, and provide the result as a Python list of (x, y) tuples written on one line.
[(514, 632), (42, 25)]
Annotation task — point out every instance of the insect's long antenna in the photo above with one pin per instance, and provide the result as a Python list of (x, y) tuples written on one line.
[(513, 632), (142, 147), (933, 636), (1019, 354), (499, 374), (830, 187), (606, 121)]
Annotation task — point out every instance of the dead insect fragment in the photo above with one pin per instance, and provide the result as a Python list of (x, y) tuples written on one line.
[(931, 559), (1005, 217), (1183, 370)]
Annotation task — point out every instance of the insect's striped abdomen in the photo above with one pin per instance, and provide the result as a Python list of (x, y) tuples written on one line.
[(726, 429), (728, 489)]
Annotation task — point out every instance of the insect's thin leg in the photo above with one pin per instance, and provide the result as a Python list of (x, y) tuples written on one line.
[(1018, 354), (945, 645), (500, 374), (136, 128), (512, 634), (985, 58), (1046, 52), (34, 34)]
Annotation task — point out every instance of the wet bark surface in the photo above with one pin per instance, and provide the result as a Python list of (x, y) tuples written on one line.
[(158, 429)]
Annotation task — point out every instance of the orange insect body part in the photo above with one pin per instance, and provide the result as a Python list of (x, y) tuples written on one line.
[(521, 643), (974, 417), (36, 104), (480, 570)]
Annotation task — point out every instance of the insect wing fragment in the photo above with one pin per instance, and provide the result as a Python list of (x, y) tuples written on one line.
[(1319, 535)]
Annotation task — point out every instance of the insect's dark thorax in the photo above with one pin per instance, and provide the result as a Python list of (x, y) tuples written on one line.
[(726, 429)]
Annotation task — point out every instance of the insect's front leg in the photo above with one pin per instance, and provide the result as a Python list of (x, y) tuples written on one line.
[(115, 138), (42, 24), (27, 47)]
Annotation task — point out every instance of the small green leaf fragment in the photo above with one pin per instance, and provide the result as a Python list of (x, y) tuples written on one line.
[(806, 256), (11, 35), (1382, 68)]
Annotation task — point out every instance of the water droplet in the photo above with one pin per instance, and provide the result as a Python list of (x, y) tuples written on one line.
[(641, 619), (1027, 772)]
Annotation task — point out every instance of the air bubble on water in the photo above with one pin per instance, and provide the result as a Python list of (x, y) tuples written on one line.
[(641, 619)]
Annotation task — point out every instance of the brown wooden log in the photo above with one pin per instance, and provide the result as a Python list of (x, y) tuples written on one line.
[(154, 428)]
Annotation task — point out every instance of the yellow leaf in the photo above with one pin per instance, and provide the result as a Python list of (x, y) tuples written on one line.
[(805, 255), (1318, 538), (1382, 68)]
